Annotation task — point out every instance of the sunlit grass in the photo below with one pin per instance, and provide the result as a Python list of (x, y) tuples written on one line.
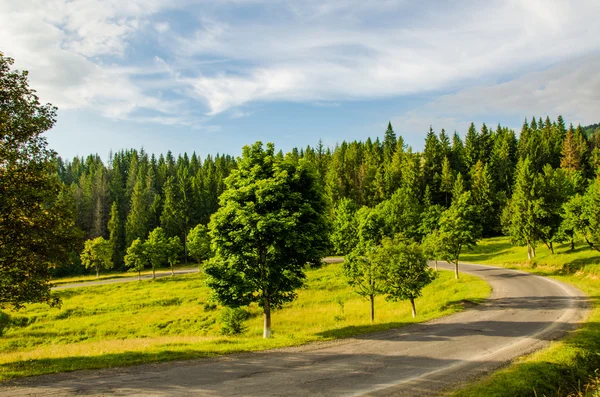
[(113, 275), (565, 367), (172, 318)]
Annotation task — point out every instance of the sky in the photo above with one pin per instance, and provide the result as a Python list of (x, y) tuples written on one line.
[(212, 76)]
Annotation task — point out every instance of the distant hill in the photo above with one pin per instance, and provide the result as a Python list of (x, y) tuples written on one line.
[(590, 129)]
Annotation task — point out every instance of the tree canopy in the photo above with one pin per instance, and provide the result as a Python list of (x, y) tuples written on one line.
[(272, 223), (36, 223)]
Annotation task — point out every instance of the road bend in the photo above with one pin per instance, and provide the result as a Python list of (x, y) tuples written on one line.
[(524, 313)]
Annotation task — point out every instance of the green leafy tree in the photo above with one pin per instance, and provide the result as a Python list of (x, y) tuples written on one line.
[(523, 215), (344, 236), (582, 214), (36, 229), (97, 254), (432, 247), (271, 223), (405, 270), (136, 258), (157, 249), (365, 275), (198, 243), (401, 214), (174, 250), (458, 229)]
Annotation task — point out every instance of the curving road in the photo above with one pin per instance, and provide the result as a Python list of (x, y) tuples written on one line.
[(523, 314)]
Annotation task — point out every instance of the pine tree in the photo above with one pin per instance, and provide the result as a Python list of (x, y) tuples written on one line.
[(521, 218), (171, 219), (447, 179), (472, 149), (389, 144), (570, 154), (137, 220), (115, 231), (483, 194)]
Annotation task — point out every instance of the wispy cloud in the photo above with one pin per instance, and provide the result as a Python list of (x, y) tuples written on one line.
[(119, 58)]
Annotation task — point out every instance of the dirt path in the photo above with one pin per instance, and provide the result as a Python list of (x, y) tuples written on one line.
[(523, 314)]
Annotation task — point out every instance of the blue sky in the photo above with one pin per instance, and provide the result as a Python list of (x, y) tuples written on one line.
[(211, 76)]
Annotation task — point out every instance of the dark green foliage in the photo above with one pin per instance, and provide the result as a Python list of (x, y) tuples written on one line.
[(5, 322), (36, 225), (232, 321)]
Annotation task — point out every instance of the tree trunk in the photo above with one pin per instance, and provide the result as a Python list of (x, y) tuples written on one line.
[(372, 299), (456, 269), (436, 265), (153, 273), (139, 275), (528, 251), (172, 271), (572, 242), (551, 248), (533, 250), (267, 317), (414, 309), (97, 272)]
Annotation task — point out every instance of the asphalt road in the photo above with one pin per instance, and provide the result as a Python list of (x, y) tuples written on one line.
[(159, 274), (523, 314)]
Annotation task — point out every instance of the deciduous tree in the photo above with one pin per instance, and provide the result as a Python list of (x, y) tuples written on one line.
[(97, 254), (36, 230), (198, 243), (136, 257), (271, 223), (405, 270)]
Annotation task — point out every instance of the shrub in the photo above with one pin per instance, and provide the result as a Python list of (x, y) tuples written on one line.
[(232, 321), (4, 322)]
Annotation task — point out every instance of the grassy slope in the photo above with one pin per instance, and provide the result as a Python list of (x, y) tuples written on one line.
[(567, 365), (166, 319)]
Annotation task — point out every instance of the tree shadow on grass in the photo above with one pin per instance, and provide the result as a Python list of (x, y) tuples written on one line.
[(576, 265)]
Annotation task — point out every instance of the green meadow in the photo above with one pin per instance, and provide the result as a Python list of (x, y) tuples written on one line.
[(173, 318), (567, 367)]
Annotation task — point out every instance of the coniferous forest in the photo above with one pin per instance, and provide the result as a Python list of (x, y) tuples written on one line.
[(536, 171)]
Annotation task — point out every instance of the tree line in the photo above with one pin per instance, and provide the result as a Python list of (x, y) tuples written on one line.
[(135, 192)]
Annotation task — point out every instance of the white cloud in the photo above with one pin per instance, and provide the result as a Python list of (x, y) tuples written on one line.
[(570, 89), (306, 59), (60, 43), (79, 51)]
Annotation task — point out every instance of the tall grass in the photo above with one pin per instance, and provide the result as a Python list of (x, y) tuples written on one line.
[(565, 366), (173, 318)]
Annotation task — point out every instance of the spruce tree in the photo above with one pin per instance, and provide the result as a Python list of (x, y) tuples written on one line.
[(115, 232)]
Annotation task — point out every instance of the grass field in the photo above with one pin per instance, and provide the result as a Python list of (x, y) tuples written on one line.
[(171, 318), (567, 366), (113, 275)]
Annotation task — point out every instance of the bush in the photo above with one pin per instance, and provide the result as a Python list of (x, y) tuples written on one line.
[(232, 321), (4, 322)]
